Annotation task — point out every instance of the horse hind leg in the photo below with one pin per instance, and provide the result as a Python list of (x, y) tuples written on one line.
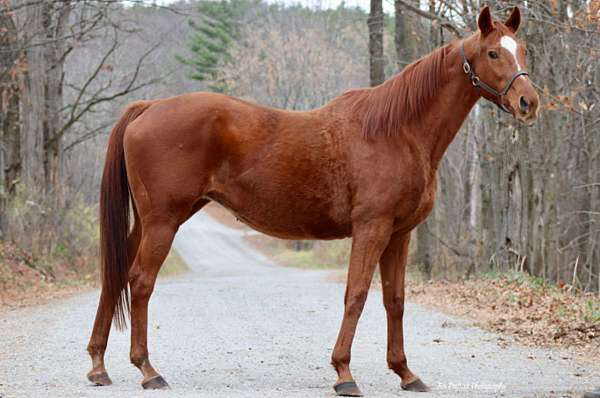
[(101, 330), (157, 237)]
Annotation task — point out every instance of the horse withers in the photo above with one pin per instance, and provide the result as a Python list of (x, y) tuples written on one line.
[(362, 166)]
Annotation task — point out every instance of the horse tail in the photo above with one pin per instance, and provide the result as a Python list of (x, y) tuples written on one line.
[(114, 219)]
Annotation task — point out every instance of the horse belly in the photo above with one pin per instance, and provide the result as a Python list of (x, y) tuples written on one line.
[(288, 212)]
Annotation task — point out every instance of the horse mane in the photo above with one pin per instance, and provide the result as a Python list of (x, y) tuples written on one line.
[(383, 109)]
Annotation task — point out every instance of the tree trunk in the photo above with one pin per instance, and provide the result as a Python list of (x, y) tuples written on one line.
[(423, 254), (434, 36), (376, 61), (10, 129), (400, 36), (44, 99)]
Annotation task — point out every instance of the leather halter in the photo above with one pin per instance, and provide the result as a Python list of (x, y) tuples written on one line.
[(477, 82)]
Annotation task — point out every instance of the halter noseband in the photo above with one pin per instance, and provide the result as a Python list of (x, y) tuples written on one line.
[(477, 82)]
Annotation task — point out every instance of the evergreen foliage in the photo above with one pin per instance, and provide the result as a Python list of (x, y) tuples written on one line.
[(213, 35)]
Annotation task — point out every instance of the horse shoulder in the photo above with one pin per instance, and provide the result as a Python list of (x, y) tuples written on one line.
[(393, 178)]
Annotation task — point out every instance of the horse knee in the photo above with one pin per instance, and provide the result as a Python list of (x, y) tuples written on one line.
[(394, 307), (355, 303), (141, 287)]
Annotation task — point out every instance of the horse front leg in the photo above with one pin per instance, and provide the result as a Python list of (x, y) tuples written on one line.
[(393, 270), (369, 239)]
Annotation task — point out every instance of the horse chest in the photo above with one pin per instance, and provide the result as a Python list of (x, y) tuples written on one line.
[(415, 204)]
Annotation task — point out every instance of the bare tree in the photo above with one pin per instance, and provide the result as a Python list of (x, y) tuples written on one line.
[(40, 37), (10, 130), (376, 59)]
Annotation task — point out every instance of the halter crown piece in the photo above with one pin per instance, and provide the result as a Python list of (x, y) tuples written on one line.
[(476, 81)]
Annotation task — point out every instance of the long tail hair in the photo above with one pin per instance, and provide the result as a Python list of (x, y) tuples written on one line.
[(114, 219)]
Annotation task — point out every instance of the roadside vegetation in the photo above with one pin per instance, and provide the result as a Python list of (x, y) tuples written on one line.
[(53, 253), (47, 253), (519, 306), (26, 280), (305, 254)]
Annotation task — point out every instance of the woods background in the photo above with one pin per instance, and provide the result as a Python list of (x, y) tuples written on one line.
[(509, 197)]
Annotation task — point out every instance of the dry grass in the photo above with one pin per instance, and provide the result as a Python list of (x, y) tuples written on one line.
[(314, 255)]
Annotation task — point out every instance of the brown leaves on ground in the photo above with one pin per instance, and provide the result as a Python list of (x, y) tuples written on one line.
[(522, 306), (27, 281)]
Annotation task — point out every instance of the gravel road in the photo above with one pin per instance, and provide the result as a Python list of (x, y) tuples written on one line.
[(239, 326)]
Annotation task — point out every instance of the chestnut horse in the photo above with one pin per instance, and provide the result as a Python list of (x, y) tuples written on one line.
[(364, 165)]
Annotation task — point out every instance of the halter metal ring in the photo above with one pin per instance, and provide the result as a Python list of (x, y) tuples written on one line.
[(466, 67), (475, 81)]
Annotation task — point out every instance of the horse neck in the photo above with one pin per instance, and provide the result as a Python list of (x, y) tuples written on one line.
[(450, 107)]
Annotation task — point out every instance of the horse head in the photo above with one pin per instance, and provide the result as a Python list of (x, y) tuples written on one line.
[(496, 63)]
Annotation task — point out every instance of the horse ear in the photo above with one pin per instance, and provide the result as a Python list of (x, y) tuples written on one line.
[(485, 21), (514, 20)]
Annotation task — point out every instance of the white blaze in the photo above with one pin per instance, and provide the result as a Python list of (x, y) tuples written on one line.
[(510, 44)]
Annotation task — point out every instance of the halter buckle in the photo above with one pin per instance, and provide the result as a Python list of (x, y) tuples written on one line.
[(466, 68)]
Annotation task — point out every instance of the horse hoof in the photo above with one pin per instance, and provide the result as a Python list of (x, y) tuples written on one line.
[(99, 379), (416, 386), (155, 383), (347, 389)]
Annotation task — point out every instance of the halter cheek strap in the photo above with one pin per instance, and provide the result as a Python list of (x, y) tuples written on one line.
[(476, 81)]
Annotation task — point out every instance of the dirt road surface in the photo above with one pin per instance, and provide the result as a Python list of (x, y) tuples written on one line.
[(239, 326)]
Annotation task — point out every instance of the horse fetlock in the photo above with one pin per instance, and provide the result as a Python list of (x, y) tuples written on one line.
[(399, 365), (139, 360), (96, 350), (340, 359), (97, 364)]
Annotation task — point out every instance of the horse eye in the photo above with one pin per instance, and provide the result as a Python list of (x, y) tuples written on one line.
[(493, 54)]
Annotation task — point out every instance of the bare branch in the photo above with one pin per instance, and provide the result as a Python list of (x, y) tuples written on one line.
[(446, 24)]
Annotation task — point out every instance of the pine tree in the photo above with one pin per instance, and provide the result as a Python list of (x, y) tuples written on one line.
[(214, 34)]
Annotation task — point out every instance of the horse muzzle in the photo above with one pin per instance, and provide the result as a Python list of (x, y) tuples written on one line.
[(523, 101)]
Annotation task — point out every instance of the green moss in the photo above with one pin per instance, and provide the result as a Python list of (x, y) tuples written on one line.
[(592, 310)]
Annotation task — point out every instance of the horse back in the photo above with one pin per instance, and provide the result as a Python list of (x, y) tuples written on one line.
[(283, 173)]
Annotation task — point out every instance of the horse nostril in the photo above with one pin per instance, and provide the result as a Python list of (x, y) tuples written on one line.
[(524, 105)]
